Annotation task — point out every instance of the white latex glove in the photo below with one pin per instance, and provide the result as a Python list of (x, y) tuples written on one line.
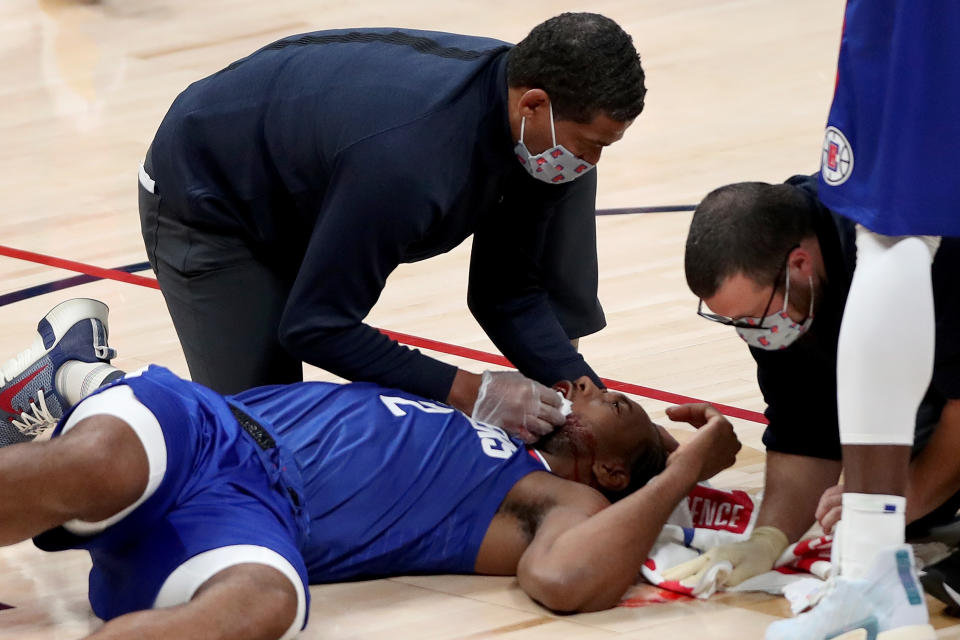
[(524, 407), (749, 558)]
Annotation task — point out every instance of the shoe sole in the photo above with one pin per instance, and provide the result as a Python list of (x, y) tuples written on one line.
[(912, 632)]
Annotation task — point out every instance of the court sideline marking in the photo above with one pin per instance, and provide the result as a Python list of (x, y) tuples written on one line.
[(122, 274)]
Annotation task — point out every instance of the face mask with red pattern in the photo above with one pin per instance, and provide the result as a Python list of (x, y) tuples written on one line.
[(556, 165)]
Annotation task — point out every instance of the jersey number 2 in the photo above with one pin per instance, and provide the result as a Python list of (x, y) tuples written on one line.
[(394, 403)]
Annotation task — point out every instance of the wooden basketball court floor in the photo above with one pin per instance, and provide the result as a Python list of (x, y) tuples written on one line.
[(738, 90)]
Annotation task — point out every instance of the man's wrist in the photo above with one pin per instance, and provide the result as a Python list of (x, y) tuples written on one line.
[(463, 391)]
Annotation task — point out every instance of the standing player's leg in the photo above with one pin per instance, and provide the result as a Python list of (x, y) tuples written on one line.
[(889, 161), (884, 366)]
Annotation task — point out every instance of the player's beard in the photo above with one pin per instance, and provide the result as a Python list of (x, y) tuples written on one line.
[(572, 440)]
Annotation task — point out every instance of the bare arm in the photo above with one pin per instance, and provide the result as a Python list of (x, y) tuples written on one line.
[(244, 602), (793, 486), (463, 393), (583, 562), (584, 557)]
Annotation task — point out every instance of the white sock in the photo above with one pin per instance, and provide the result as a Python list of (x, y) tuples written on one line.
[(75, 380), (872, 522)]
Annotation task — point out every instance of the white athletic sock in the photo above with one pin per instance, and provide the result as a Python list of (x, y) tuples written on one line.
[(76, 380), (871, 522)]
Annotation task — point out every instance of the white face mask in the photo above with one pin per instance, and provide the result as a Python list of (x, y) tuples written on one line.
[(556, 165), (778, 330)]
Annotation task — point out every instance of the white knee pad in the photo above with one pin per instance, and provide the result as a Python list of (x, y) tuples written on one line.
[(121, 403), (871, 243), (886, 347), (181, 585)]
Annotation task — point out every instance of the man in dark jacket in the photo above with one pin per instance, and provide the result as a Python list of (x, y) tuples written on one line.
[(280, 193)]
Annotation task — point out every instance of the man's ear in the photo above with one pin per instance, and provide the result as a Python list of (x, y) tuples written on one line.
[(611, 475), (532, 101), (803, 261)]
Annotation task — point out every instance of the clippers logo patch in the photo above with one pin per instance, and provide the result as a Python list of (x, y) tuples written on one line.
[(836, 163)]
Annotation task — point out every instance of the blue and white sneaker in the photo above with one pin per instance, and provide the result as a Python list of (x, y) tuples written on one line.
[(887, 604), (29, 402)]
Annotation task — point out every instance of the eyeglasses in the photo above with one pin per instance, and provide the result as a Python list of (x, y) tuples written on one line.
[(749, 323)]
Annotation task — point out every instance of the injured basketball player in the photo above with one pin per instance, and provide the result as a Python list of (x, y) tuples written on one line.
[(208, 516)]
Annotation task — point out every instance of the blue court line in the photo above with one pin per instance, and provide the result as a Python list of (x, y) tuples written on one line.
[(66, 283)]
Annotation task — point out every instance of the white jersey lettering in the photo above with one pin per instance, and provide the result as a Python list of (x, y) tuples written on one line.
[(493, 440), (393, 403)]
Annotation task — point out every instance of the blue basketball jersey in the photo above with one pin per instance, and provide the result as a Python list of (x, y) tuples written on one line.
[(891, 153), (393, 484)]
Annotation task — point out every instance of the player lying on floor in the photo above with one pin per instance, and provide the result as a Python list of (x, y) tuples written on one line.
[(225, 508)]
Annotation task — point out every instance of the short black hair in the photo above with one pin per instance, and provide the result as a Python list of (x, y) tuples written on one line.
[(746, 227), (587, 65), (650, 462)]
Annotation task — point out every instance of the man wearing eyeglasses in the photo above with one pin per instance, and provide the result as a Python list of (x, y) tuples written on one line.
[(776, 264)]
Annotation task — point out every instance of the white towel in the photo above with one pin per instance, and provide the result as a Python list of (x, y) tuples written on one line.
[(709, 517)]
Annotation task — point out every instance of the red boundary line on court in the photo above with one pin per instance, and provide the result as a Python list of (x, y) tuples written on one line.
[(647, 392), (70, 265), (414, 341)]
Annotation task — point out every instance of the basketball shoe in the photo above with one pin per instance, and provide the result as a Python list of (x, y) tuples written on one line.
[(29, 402), (886, 604), (942, 581)]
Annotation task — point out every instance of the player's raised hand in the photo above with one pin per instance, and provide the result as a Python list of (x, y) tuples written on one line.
[(696, 414), (713, 448), (524, 407)]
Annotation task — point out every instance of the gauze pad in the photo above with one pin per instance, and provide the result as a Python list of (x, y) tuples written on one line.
[(566, 407)]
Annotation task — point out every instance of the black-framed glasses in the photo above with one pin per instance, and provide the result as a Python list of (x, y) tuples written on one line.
[(749, 323)]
